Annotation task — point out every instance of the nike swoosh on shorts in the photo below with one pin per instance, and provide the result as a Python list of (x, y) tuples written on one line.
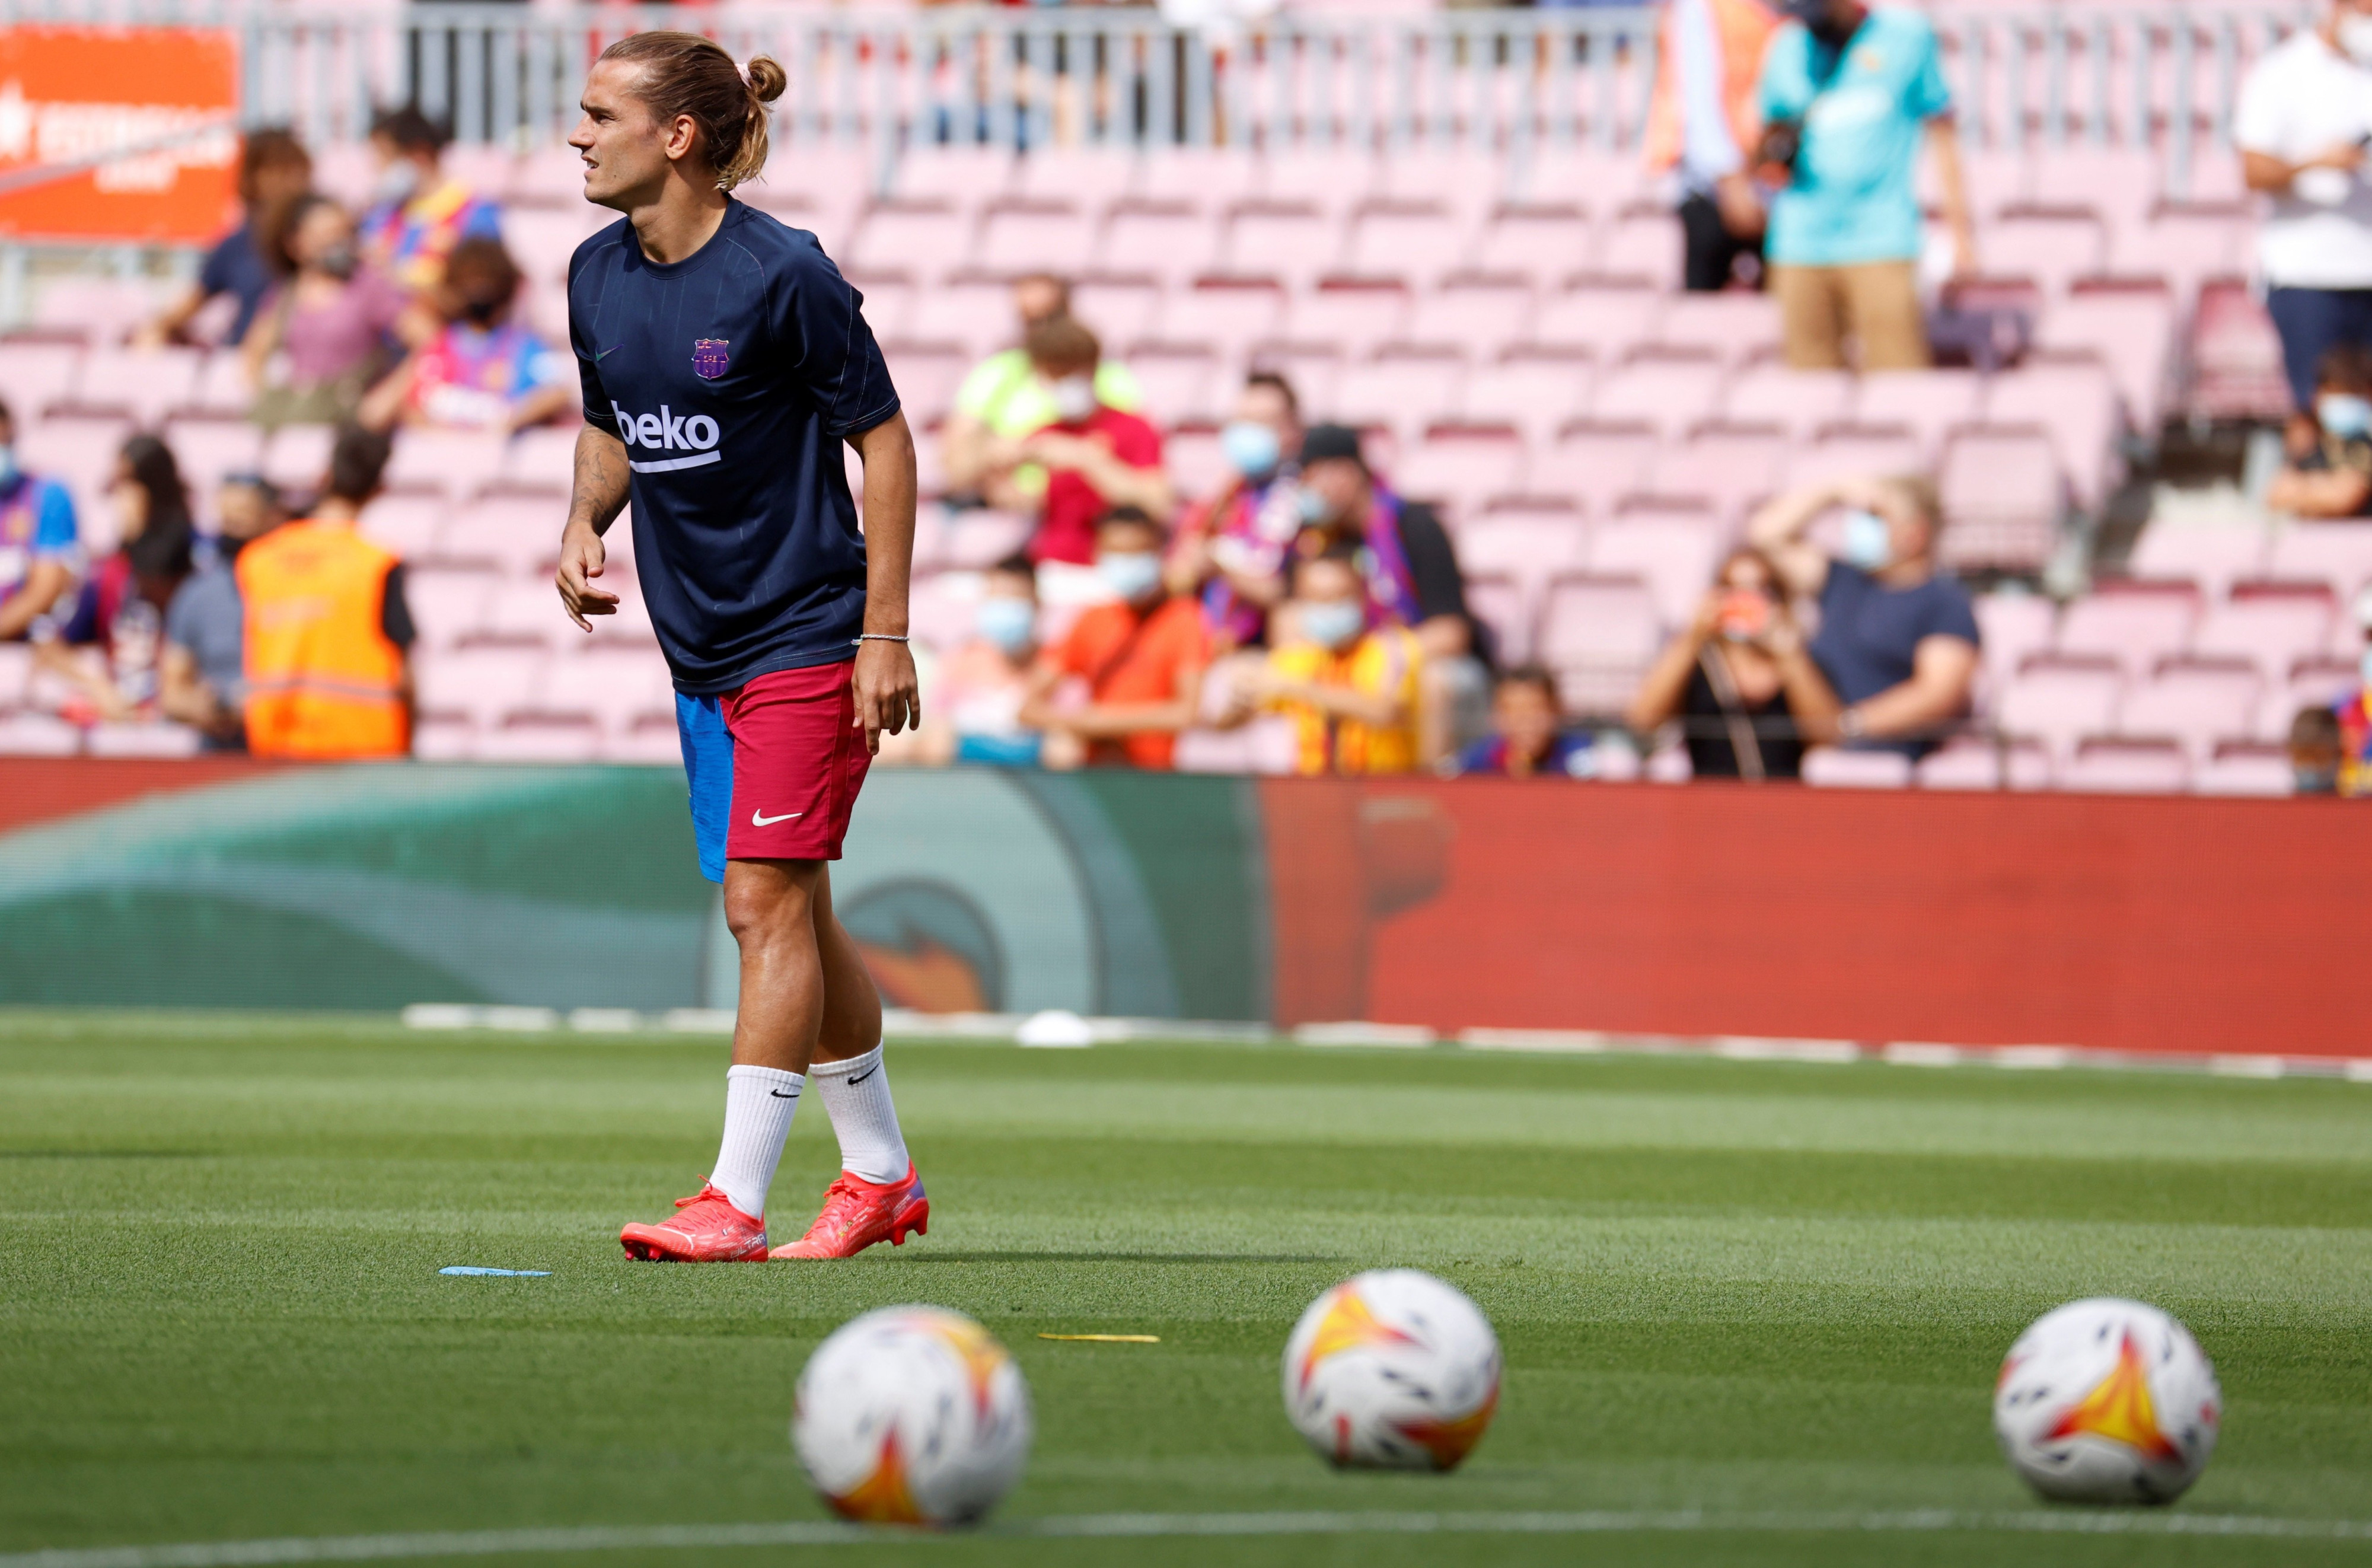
[(760, 819)]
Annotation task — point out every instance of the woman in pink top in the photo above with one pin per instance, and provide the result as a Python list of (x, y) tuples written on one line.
[(330, 327)]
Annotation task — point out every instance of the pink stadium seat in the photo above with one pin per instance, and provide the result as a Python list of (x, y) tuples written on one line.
[(35, 375), (1830, 767), (1598, 634), (978, 538), (1313, 368), (1077, 174), (1499, 602), (2135, 623), (890, 299), (2077, 403), (2014, 627), (1842, 451), (1293, 244), (541, 240), (927, 376), (1197, 465), (1642, 245), (446, 605), (2003, 493), (975, 313), (1932, 403), (1119, 309), (2212, 555), (1224, 315), (101, 311), (1536, 390), (1608, 322), (2132, 330), (2336, 553), (1673, 550), (2274, 624), (2186, 246), (1019, 235), (207, 449), (221, 391), (2057, 702), (1419, 243), (409, 524), (1202, 174), (919, 239), (1180, 382), (610, 687), (2198, 702), (1544, 244), (957, 173), (1734, 466), (2119, 183), (1524, 549), (1401, 390), (152, 738), (1992, 177), (1463, 180), (1463, 466), (29, 734), (1799, 401), (1593, 464), (652, 740), (2109, 765), (1332, 179), (16, 673), (1356, 315), (456, 464), (142, 384), (2311, 683), (480, 685), (542, 460), (2241, 768), (2236, 356), (2054, 249), (1735, 326), (549, 177), (1172, 241), (1478, 314), (82, 452), (538, 737), (1977, 763), (1669, 391), (522, 615)]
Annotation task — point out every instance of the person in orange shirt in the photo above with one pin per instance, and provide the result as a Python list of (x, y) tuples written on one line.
[(1142, 655)]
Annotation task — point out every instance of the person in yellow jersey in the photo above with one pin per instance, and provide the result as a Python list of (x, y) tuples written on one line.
[(329, 635), (1349, 681)]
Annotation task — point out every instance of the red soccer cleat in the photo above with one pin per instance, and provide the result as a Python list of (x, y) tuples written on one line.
[(707, 1229), (858, 1213)]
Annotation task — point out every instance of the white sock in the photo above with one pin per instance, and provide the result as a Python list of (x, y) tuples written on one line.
[(758, 1103), (856, 1097)]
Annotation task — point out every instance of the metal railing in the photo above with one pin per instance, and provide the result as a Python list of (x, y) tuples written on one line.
[(1510, 84)]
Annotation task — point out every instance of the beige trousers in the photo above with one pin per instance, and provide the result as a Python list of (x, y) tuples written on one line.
[(1874, 303)]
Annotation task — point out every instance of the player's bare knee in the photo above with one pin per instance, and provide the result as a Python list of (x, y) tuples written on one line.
[(766, 904)]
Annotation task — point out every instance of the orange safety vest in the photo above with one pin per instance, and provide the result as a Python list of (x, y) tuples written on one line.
[(1743, 29), (323, 678)]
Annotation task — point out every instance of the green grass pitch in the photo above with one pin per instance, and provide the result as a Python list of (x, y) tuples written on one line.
[(1729, 1286)]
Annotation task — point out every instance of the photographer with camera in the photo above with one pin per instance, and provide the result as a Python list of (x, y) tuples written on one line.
[(1740, 679), (1848, 93)]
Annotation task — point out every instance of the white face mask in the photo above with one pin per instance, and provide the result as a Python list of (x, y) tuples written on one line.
[(1074, 398), (397, 181), (1333, 623), (2355, 37), (1130, 575), (1868, 543)]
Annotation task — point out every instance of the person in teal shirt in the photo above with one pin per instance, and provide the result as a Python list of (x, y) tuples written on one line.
[(1865, 87)]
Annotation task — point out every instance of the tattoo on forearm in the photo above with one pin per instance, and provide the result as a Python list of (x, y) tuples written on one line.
[(601, 489)]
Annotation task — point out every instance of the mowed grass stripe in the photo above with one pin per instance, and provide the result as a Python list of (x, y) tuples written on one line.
[(222, 1319)]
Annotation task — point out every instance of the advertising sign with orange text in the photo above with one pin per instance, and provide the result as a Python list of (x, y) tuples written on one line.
[(118, 134)]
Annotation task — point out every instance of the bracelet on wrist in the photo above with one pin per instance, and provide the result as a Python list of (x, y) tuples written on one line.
[(878, 637)]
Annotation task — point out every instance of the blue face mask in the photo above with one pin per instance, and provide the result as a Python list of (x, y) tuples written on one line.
[(1330, 624), (1868, 542), (1009, 623), (1252, 449), (1311, 503), (2364, 667), (8, 465), (2344, 414), (1130, 574)]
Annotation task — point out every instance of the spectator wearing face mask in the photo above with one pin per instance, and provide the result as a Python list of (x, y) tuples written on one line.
[(1740, 679), (108, 644), (1231, 548), (325, 332), (40, 547), (1141, 658), (274, 169), (981, 687), (1003, 400), (419, 216), (1897, 639), (482, 370), (202, 676), (2317, 749), (2334, 477), (1411, 572), (2301, 123), (1527, 740), (1351, 686), (1096, 457)]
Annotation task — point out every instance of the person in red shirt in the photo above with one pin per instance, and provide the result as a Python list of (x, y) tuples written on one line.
[(1095, 457), (1142, 657)]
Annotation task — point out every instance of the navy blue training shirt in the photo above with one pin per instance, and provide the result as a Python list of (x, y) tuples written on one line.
[(732, 376)]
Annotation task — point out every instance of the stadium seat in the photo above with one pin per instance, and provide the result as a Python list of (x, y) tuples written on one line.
[(977, 538), (206, 449), (2132, 333), (100, 311), (1535, 389), (1540, 244), (2058, 702), (1978, 762), (1019, 235), (1930, 404), (1357, 315), (29, 734), (1181, 382), (297, 457), (1608, 321), (409, 524), (919, 239), (1418, 243), (2075, 403), (541, 240), (2196, 703), (2272, 624), (478, 685), (955, 172), (2212, 555), (1734, 466), (521, 615), (1832, 767), (927, 376), (1842, 451), (2235, 357), (2336, 553), (2187, 245), (1642, 244), (446, 605), (2013, 627), (153, 738), (2107, 765), (1402, 390), (1670, 392), (537, 737), (140, 385), (1293, 243), (1737, 327), (974, 313), (1598, 633), (1464, 465), (1595, 464), (1172, 242), (1799, 402), (1119, 308), (890, 299), (1509, 613), (2241, 768), (35, 375), (2053, 247), (2136, 623), (541, 460), (453, 463), (82, 454), (1671, 546), (1480, 315), (651, 739), (1197, 464), (1100, 174), (1223, 314), (2310, 683), (2004, 492), (16, 674)]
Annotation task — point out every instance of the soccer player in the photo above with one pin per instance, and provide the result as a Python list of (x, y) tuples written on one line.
[(724, 360)]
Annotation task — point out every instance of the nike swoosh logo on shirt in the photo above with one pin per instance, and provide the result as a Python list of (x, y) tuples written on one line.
[(760, 819), (607, 352)]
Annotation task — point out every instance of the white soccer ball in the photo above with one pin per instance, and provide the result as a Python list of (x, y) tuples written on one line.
[(1392, 1369), (2107, 1400), (912, 1415)]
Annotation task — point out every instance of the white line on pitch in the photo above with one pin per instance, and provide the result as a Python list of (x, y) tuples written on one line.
[(496, 1543)]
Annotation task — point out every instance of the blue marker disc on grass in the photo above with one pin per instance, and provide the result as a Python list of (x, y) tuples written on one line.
[(498, 1273)]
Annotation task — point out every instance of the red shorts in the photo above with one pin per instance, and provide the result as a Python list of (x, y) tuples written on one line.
[(799, 761)]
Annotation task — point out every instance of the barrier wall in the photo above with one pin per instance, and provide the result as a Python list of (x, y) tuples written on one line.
[(2139, 924)]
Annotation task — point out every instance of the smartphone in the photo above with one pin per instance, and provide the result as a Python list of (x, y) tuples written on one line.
[(1745, 615)]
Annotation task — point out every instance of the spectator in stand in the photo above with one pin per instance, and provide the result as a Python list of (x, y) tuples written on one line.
[(2318, 749), (1411, 575), (1739, 680), (1351, 686), (2333, 479), (203, 671), (481, 370), (418, 214), (329, 633), (107, 645), (2355, 714), (1231, 549), (1525, 740), (1854, 89), (1897, 639), (1001, 400), (1096, 457), (324, 332), (1141, 656), (2302, 125), (1702, 122), (273, 170), (40, 545), (983, 684)]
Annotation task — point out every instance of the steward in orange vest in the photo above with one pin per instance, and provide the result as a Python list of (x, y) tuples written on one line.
[(328, 671)]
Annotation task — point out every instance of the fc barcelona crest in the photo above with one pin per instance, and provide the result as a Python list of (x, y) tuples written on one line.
[(709, 358)]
